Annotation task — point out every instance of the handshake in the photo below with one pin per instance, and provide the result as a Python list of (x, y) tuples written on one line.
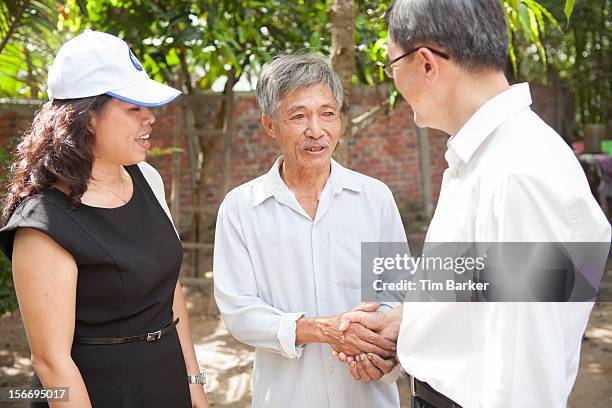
[(363, 337)]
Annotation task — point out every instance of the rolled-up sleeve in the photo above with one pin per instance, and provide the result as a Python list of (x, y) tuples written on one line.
[(248, 318)]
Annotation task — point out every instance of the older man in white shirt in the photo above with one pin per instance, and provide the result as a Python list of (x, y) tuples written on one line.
[(287, 251), (510, 178)]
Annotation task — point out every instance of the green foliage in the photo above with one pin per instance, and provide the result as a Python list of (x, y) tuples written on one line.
[(527, 24), (578, 60), (569, 8), (371, 40), (583, 58), (29, 37), (192, 44)]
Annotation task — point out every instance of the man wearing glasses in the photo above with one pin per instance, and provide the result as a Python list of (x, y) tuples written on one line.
[(510, 178)]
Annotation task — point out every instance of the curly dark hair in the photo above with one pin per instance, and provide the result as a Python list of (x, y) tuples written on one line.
[(57, 149)]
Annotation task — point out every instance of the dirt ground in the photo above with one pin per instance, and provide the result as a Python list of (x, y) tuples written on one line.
[(229, 362)]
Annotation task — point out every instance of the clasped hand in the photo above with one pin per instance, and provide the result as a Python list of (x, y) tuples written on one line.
[(355, 339), (366, 323)]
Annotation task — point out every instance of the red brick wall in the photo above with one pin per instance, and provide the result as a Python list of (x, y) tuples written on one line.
[(387, 149), (14, 118)]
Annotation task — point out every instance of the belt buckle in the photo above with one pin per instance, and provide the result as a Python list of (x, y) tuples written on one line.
[(412, 387), (154, 336)]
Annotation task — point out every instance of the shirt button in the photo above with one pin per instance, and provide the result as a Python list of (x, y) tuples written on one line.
[(455, 172), (330, 370)]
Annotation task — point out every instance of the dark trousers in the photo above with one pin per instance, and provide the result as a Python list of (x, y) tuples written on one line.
[(427, 397), (416, 402)]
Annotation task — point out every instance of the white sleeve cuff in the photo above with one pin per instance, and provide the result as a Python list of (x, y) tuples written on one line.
[(286, 335), (392, 376), (386, 306)]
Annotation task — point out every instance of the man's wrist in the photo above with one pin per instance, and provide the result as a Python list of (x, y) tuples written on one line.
[(312, 330), (325, 327), (306, 331)]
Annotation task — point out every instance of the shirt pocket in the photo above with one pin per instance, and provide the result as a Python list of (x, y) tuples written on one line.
[(345, 257)]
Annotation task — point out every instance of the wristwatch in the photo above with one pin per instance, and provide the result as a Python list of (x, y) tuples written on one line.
[(197, 378)]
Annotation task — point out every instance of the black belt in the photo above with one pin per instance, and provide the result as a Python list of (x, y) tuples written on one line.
[(120, 340), (428, 395)]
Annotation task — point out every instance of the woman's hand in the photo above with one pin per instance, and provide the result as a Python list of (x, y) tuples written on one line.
[(198, 396)]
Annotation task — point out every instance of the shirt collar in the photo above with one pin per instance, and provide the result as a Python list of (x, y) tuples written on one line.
[(484, 122), (273, 185)]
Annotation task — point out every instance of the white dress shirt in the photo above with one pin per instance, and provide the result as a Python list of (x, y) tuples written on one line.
[(511, 178), (274, 264)]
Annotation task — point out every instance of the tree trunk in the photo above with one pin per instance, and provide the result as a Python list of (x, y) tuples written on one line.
[(197, 177), (207, 141), (227, 130), (175, 190), (342, 18)]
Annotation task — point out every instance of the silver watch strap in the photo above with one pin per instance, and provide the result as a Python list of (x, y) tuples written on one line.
[(197, 378)]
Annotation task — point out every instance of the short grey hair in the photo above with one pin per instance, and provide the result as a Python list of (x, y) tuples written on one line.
[(287, 73), (473, 32)]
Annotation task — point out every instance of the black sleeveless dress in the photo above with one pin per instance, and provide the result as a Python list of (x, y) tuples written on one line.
[(128, 262)]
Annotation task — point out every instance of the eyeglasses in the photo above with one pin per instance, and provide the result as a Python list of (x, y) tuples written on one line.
[(388, 67)]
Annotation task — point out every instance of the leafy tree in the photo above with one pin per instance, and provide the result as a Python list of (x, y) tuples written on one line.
[(577, 57), (582, 58), (210, 36)]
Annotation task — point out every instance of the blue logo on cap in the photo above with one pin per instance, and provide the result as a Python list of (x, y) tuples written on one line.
[(135, 62)]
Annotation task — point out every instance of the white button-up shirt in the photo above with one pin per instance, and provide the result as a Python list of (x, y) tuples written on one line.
[(274, 264), (511, 178)]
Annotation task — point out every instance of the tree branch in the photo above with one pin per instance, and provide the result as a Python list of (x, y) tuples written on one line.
[(14, 25), (185, 69), (366, 118)]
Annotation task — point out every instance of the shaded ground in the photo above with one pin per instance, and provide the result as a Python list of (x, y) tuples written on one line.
[(229, 362)]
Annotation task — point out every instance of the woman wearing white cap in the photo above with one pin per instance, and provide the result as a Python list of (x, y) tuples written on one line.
[(95, 255)]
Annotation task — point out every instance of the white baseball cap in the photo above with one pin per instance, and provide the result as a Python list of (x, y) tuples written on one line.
[(95, 63)]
